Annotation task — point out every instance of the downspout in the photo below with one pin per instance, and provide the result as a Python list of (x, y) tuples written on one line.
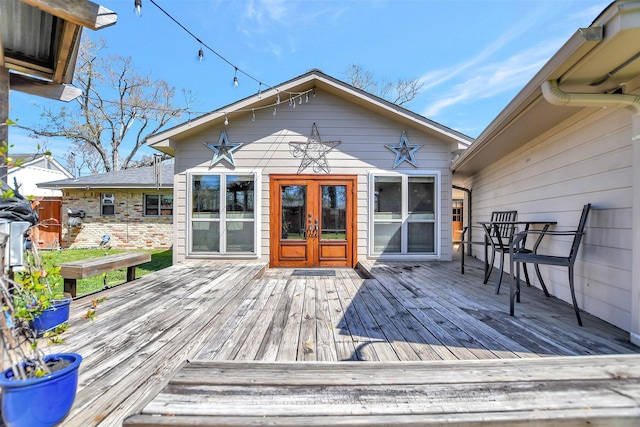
[(466, 190), (555, 96)]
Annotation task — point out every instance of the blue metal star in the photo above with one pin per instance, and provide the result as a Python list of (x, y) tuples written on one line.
[(223, 150), (404, 151)]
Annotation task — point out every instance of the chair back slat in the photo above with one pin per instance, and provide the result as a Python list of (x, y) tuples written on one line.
[(505, 231), (579, 231)]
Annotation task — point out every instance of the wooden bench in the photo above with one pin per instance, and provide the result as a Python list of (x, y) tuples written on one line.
[(74, 270)]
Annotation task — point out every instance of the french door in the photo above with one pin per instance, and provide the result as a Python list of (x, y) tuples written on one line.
[(312, 221)]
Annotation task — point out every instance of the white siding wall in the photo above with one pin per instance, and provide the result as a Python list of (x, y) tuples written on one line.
[(363, 136), (586, 161)]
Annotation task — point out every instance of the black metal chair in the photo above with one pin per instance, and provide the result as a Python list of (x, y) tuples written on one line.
[(498, 235), (537, 259), (465, 239)]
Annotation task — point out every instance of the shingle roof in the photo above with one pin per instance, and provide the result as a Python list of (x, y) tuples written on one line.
[(129, 178)]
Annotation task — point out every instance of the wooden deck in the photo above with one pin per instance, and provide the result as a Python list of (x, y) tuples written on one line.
[(226, 312)]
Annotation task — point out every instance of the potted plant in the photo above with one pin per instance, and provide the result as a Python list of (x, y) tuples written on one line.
[(48, 309), (37, 389)]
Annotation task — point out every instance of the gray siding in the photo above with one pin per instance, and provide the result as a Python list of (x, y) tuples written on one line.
[(363, 136), (588, 160)]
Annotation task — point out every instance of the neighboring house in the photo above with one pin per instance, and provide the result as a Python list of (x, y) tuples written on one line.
[(35, 169), (126, 209), (570, 137), (313, 172)]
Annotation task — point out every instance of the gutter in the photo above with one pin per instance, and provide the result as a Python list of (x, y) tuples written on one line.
[(555, 96)]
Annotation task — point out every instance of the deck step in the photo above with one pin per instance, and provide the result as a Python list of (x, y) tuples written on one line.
[(593, 390)]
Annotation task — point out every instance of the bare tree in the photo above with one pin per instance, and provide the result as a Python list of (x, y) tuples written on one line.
[(399, 92), (116, 103)]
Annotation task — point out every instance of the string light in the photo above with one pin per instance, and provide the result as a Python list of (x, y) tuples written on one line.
[(226, 120), (200, 54), (137, 4)]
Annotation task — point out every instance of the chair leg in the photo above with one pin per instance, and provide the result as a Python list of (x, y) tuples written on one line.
[(513, 288), (526, 274), (573, 295), (489, 267), (499, 281), (544, 287)]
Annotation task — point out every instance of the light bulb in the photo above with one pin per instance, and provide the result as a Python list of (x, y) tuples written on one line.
[(235, 78), (200, 54), (138, 7), (300, 101), (260, 91), (290, 101), (278, 99), (306, 97), (274, 111), (226, 120), (253, 115)]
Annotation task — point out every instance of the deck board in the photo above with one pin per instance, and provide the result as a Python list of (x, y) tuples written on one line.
[(218, 312)]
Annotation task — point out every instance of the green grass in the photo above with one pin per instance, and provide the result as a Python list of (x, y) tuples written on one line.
[(159, 259)]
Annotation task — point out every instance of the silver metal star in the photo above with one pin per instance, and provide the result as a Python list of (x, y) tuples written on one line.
[(404, 151), (313, 152), (223, 150)]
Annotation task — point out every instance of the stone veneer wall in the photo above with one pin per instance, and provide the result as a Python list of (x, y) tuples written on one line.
[(127, 229)]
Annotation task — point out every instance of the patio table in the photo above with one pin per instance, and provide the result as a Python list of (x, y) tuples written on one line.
[(494, 227)]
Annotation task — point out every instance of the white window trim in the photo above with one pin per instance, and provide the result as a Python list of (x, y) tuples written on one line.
[(257, 176), (437, 209)]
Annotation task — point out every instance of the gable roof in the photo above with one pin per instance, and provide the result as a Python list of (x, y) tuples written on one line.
[(165, 141), (597, 60), (39, 160), (128, 178)]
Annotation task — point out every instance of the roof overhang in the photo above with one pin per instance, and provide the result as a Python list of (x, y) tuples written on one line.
[(603, 58), (166, 141), (39, 40)]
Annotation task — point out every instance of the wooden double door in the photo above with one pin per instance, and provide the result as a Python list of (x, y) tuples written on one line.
[(312, 220)]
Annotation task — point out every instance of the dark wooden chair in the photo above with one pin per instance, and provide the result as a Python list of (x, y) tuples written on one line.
[(537, 259)]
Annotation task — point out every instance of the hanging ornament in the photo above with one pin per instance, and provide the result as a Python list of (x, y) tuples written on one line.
[(223, 150), (313, 152), (404, 151)]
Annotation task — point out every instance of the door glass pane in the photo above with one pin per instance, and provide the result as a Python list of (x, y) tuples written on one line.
[(205, 190), (294, 211), (421, 237), (387, 197), (387, 237), (421, 198), (240, 196), (334, 212), (205, 236)]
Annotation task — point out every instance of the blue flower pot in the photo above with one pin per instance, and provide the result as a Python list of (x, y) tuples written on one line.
[(55, 315), (40, 402)]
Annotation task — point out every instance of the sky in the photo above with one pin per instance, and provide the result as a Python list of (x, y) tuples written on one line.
[(472, 56)]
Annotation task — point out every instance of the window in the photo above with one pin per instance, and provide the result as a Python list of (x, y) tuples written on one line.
[(158, 204), (404, 214), (222, 213), (108, 204)]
